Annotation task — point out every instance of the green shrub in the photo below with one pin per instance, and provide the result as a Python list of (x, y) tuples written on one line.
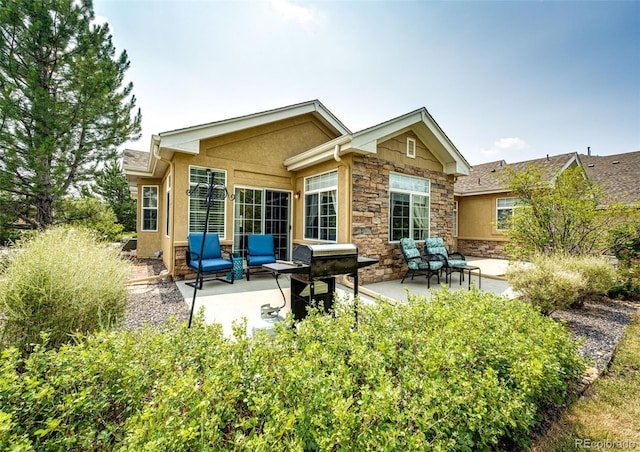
[(463, 371), (93, 214), (62, 281), (557, 281), (627, 286)]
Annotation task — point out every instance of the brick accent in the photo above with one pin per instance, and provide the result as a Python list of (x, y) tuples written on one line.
[(371, 214), (483, 248)]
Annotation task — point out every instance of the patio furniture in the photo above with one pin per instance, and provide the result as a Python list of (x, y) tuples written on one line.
[(260, 251), (419, 264), (469, 269), (210, 262), (453, 262)]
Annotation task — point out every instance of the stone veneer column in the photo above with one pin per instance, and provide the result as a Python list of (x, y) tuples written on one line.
[(371, 214)]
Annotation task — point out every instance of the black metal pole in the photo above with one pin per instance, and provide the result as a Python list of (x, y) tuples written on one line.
[(204, 237)]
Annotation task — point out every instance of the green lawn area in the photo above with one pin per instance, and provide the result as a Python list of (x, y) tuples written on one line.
[(607, 416)]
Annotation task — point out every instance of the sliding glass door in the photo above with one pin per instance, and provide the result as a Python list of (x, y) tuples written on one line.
[(262, 211)]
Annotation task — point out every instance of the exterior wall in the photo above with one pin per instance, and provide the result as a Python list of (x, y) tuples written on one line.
[(371, 205), (250, 158), (477, 233), (482, 248), (149, 242), (343, 200)]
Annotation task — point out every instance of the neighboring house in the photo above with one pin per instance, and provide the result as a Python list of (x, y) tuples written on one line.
[(618, 175), (483, 202), (298, 173)]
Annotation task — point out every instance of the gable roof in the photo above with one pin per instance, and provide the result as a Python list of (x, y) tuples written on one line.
[(187, 140), (366, 142), (618, 175), (489, 177)]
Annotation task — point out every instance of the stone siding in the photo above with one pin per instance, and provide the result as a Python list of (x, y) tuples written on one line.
[(482, 248), (371, 214)]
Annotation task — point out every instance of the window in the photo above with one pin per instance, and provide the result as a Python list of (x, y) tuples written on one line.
[(150, 208), (409, 207), (411, 148), (504, 209), (198, 201), (320, 207), (168, 207), (455, 218)]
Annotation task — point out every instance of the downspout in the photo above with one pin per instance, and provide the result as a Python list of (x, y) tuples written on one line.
[(336, 153)]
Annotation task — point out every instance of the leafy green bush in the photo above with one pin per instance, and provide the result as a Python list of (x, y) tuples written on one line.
[(627, 286), (62, 281), (557, 281), (93, 214), (463, 371)]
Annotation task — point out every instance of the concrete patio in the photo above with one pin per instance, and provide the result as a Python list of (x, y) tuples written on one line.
[(227, 303)]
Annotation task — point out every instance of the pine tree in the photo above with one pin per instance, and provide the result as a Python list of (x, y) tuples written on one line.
[(111, 185), (64, 106)]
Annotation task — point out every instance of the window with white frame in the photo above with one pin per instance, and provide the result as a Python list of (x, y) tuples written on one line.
[(504, 210), (455, 218), (198, 201), (167, 209), (321, 207), (409, 207), (150, 208), (411, 147)]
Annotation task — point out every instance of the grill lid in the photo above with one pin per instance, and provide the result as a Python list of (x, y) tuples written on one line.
[(307, 253)]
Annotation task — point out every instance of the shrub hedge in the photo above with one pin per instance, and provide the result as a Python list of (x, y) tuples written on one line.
[(463, 371), (63, 280), (556, 281)]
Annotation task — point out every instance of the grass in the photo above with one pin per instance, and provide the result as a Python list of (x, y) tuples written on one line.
[(607, 416)]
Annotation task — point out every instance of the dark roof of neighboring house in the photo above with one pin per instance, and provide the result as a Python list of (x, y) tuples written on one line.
[(135, 159), (618, 175), (489, 177)]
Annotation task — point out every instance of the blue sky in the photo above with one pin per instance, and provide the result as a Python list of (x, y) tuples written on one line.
[(504, 80)]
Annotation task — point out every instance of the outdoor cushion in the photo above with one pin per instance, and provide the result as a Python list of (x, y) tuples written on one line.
[(260, 260), (211, 246), (457, 263), (211, 265), (417, 265), (435, 245), (260, 249)]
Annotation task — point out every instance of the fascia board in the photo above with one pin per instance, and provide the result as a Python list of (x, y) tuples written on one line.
[(315, 155), (481, 192), (188, 140), (311, 160)]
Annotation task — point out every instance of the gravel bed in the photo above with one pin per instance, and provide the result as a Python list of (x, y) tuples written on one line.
[(153, 303), (600, 325)]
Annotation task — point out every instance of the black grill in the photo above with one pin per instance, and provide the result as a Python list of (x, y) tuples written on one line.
[(328, 260), (313, 273)]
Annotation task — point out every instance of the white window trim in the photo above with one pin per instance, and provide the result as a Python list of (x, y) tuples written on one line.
[(455, 218), (320, 190), (224, 235), (411, 147), (498, 209), (399, 190), (143, 208)]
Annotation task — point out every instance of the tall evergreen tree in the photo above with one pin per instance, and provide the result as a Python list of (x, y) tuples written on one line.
[(111, 185), (64, 106)]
